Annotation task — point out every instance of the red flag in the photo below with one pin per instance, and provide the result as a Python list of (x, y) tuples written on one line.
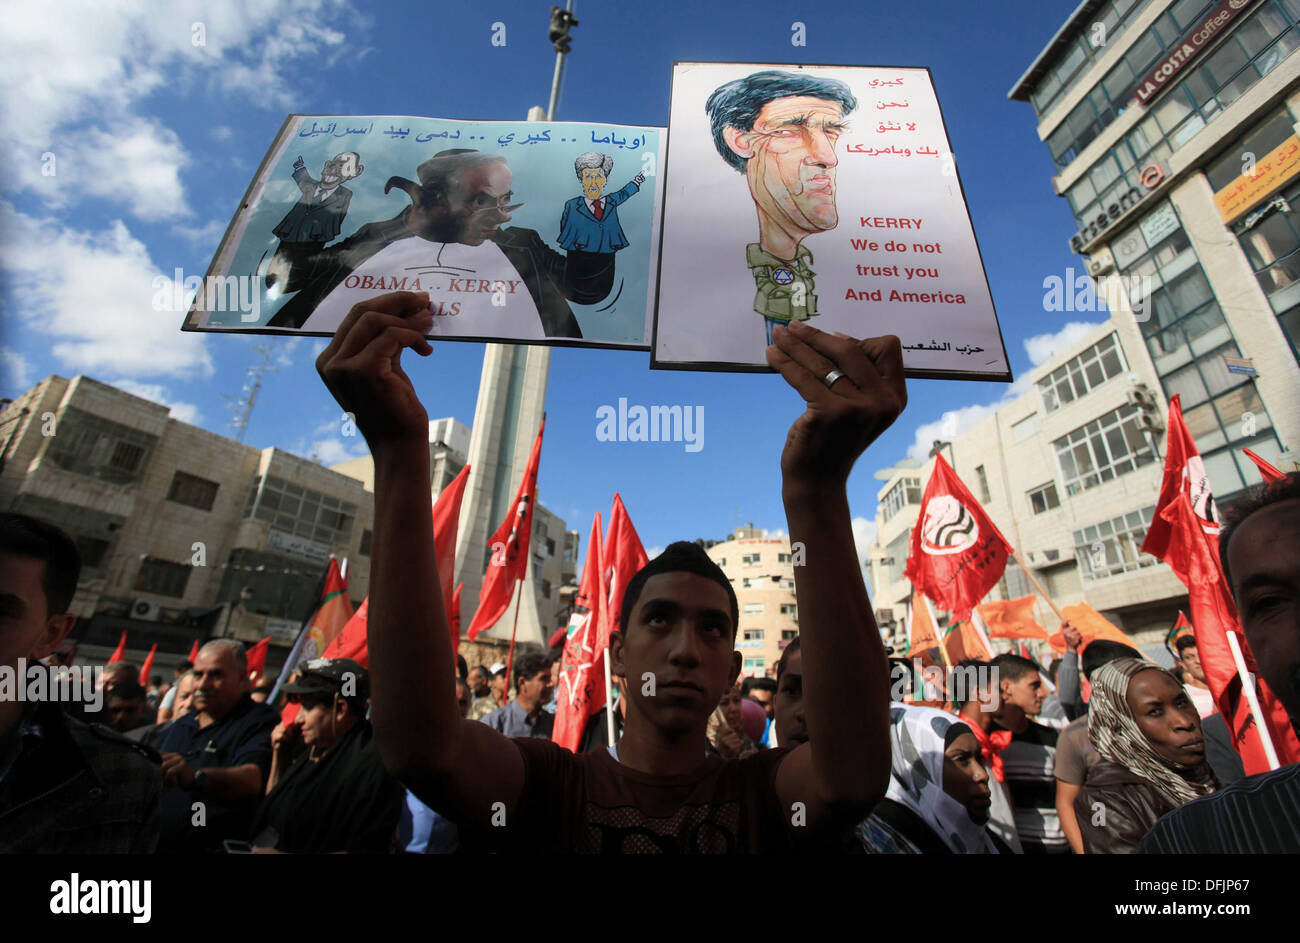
[(1184, 473), (1011, 618), (453, 618), (257, 658), (148, 664), (1266, 470), (581, 688), (446, 521), (194, 652), (118, 653), (351, 641), (957, 554), (623, 556), (1192, 554), (509, 546)]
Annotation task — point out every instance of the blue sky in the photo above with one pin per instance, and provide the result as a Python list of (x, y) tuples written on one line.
[(152, 140)]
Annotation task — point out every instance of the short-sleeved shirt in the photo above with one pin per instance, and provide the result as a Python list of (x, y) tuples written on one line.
[(243, 736), (513, 721), (589, 802), (1029, 762), (1075, 754)]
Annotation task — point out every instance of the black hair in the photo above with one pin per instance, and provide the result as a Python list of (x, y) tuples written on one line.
[(1054, 669), (127, 691), (25, 536), (678, 557), (757, 684), (1012, 667), (785, 656), (968, 668), (356, 704), (155, 680), (738, 103), (1102, 652), (183, 667), (462, 667), (528, 665), (955, 731), (1184, 642), (1271, 492)]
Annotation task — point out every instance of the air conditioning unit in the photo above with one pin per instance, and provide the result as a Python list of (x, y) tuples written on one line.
[(1151, 422), (145, 610), (1101, 263), (1142, 398)]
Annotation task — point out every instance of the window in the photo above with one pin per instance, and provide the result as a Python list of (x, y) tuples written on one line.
[(787, 584), (1064, 72), (753, 608), (1043, 498), (753, 635), (750, 558), (1103, 449), (100, 448), (1081, 375), (366, 537), (754, 664), (546, 589), (896, 555), (550, 547), (906, 491), (1111, 547), (983, 483), (278, 586), (788, 609), (789, 635), (302, 512), (162, 577), (193, 491), (752, 582)]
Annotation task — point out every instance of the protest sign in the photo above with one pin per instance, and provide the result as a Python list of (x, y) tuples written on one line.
[(826, 194), (527, 232)]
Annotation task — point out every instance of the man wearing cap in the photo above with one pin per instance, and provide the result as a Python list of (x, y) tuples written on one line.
[(335, 796), (496, 696), (525, 715)]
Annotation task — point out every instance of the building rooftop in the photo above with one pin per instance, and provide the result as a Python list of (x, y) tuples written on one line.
[(1025, 84)]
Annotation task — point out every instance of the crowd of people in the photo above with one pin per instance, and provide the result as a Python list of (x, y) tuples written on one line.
[(422, 753)]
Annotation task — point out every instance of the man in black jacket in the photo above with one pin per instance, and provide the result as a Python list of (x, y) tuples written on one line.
[(485, 280)]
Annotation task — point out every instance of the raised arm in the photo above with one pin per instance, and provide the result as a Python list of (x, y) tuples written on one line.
[(459, 767), (844, 768)]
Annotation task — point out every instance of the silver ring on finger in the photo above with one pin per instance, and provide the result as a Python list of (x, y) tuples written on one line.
[(831, 377)]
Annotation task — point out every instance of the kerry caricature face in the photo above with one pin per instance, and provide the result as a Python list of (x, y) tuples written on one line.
[(593, 182), (790, 162)]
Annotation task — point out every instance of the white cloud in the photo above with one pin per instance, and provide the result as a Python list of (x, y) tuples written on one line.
[(91, 295), (157, 393), (1043, 347), (333, 451), (652, 552), (864, 539), (204, 237), (15, 371), (957, 422), (221, 133), (78, 71), (777, 534)]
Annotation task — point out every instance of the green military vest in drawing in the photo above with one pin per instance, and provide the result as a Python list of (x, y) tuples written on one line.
[(785, 289)]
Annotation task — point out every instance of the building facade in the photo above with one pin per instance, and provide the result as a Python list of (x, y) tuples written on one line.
[(1172, 125), (183, 534), (761, 570)]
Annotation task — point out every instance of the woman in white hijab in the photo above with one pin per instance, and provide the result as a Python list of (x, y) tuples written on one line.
[(938, 798)]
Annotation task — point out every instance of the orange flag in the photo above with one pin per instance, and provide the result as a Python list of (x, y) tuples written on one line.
[(963, 641), (1092, 625), (1011, 618), (922, 636)]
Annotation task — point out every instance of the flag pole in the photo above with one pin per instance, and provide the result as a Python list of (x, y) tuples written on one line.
[(934, 624), (1037, 585), (977, 621), (1265, 738), (510, 658), (609, 699)]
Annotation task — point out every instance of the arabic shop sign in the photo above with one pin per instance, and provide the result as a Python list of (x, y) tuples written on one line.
[(1279, 166), (1192, 44), (1151, 176)]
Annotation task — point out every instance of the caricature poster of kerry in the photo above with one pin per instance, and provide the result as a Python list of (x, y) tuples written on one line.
[(825, 194), (527, 232)]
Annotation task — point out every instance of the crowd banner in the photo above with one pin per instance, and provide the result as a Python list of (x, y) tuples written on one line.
[(824, 194), (526, 232)]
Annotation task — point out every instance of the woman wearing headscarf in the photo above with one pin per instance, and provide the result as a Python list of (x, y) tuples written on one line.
[(938, 796), (726, 729), (1148, 734)]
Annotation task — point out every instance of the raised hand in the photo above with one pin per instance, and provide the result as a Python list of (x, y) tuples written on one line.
[(362, 367), (843, 419)]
